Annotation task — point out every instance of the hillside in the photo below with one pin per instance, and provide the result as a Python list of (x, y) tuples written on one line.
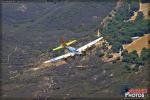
[(34, 29), (31, 30)]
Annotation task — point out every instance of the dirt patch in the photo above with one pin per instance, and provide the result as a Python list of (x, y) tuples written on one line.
[(138, 44), (144, 7)]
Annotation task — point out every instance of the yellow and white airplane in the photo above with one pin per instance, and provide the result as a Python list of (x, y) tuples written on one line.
[(72, 51)]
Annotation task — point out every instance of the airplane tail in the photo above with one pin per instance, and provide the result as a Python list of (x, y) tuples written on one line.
[(64, 44), (62, 41)]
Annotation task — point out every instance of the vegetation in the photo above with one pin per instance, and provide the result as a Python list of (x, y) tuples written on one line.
[(99, 53), (145, 1), (133, 61), (119, 30), (133, 57), (145, 54), (116, 46)]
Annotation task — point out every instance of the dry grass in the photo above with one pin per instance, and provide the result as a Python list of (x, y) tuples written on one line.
[(115, 56), (138, 44), (134, 16), (144, 7)]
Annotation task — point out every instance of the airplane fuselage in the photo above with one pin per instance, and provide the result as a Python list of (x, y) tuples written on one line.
[(74, 50)]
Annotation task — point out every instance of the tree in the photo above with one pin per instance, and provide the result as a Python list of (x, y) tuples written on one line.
[(116, 46), (145, 54), (124, 53), (133, 55), (140, 16), (125, 39), (139, 61), (130, 57), (145, 1), (134, 5)]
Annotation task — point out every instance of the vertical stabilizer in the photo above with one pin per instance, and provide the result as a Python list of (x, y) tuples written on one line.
[(62, 41)]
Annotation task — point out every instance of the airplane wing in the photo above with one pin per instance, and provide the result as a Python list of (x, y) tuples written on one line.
[(70, 54), (83, 48)]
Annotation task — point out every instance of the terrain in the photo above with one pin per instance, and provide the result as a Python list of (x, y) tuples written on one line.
[(138, 44), (144, 7), (31, 30)]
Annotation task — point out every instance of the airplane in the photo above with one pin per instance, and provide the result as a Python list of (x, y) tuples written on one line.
[(72, 51)]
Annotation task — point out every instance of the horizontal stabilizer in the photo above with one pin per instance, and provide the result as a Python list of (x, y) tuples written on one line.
[(67, 44), (71, 42), (58, 48)]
